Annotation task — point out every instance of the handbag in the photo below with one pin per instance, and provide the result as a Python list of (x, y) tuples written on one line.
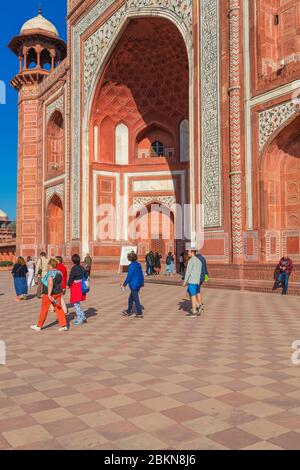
[(85, 285)]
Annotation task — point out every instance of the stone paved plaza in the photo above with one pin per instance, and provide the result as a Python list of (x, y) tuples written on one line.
[(223, 381)]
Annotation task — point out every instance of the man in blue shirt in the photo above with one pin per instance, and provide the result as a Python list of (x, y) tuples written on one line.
[(135, 280)]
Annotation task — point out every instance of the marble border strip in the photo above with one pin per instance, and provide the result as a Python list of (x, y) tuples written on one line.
[(210, 122)]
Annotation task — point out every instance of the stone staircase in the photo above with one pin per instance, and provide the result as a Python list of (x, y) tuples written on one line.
[(229, 284), (254, 278)]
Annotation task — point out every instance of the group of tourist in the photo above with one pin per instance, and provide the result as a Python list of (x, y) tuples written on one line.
[(52, 279), (154, 264), (30, 273), (195, 274)]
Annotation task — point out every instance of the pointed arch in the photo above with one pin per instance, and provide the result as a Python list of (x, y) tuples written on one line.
[(93, 87), (280, 179), (55, 223), (55, 159), (121, 144)]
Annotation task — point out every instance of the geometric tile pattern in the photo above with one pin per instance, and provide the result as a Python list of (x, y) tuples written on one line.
[(223, 381)]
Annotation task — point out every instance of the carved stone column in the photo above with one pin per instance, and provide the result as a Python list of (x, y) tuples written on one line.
[(235, 25), (38, 50), (53, 55)]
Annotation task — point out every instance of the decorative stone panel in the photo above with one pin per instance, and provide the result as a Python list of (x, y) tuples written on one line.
[(97, 44), (272, 237), (270, 120), (167, 201), (253, 237), (210, 93), (57, 105), (58, 190)]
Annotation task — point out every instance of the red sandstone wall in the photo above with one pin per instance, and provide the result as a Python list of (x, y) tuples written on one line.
[(275, 41), (29, 177)]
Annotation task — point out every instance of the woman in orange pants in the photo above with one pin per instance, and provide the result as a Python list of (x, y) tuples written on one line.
[(52, 294)]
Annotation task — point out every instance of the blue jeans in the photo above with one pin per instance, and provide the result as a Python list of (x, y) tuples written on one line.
[(79, 313), (134, 298), (149, 269), (284, 278)]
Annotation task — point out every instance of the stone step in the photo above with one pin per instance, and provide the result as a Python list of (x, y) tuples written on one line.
[(229, 284)]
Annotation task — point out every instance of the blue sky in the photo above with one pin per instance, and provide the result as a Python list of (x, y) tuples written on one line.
[(13, 14)]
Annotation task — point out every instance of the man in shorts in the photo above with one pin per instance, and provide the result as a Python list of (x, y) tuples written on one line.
[(192, 281)]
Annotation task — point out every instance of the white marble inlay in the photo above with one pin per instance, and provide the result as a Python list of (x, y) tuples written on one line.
[(210, 96), (96, 143), (154, 185), (122, 144), (184, 141)]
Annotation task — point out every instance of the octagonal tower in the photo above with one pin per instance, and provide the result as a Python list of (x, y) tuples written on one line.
[(39, 50)]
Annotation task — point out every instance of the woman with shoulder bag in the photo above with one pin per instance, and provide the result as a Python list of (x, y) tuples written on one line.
[(170, 264), (78, 285), (51, 295), (19, 273)]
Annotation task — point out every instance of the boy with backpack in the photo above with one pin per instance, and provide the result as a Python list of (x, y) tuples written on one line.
[(135, 280), (192, 281)]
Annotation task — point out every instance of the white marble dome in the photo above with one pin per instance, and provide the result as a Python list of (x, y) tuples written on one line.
[(3, 215), (39, 22)]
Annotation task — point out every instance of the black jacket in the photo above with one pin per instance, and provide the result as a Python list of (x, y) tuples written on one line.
[(76, 274)]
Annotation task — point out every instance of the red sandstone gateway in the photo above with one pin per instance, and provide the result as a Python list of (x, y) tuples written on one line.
[(166, 105), (7, 239)]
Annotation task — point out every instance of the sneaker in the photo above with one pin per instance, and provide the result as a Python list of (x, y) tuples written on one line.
[(126, 314), (200, 309), (191, 315), (64, 328), (139, 316), (78, 323), (36, 328)]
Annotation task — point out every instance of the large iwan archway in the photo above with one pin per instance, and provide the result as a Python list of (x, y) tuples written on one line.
[(280, 192), (55, 224), (281, 180), (139, 126)]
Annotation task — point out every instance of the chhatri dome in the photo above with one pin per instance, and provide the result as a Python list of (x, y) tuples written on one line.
[(3, 216), (39, 22)]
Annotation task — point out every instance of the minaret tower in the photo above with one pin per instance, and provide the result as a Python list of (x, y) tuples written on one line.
[(39, 51)]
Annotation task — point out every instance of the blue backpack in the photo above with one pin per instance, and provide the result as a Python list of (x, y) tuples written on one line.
[(141, 279)]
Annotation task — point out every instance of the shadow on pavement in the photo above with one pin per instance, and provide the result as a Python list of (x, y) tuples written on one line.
[(184, 306), (91, 312)]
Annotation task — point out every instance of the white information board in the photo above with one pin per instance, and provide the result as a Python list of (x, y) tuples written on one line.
[(124, 255)]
